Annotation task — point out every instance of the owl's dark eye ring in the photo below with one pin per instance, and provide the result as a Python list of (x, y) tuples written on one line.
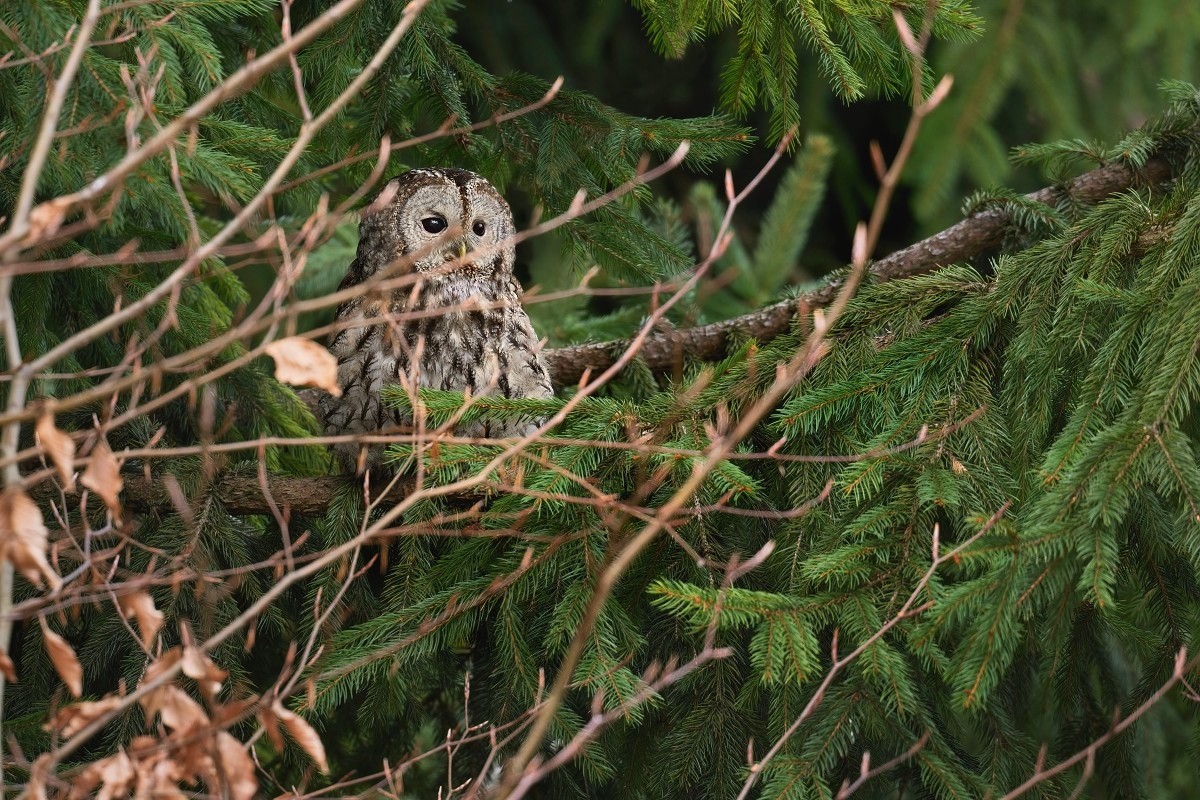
[(479, 227), (434, 224)]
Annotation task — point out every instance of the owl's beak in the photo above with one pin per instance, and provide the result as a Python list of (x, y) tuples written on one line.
[(462, 248)]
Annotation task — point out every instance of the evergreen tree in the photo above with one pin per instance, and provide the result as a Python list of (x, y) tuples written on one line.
[(1029, 411)]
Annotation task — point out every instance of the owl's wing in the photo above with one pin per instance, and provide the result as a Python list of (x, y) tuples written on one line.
[(522, 366)]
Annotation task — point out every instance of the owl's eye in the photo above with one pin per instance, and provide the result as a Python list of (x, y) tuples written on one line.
[(479, 227), (434, 224)]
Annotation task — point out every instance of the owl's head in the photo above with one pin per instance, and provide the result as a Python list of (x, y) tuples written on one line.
[(438, 218)]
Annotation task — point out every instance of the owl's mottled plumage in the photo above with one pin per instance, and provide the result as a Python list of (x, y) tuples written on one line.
[(460, 326)]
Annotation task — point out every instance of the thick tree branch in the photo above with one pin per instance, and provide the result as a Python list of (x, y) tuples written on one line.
[(240, 494), (974, 236), (243, 495)]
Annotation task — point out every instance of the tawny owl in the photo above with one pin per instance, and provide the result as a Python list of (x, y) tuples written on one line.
[(456, 324)]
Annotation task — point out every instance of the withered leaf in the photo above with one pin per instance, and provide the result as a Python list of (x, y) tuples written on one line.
[(178, 711), (59, 448), (62, 656), (140, 606), (161, 780), (304, 735), (23, 537), (46, 218), (116, 774), (303, 362), (270, 724), (103, 476), (200, 668), (71, 719), (238, 768)]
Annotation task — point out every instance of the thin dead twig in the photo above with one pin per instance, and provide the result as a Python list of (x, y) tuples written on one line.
[(306, 133), (866, 239), (840, 663), (608, 577), (655, 680), (237, 82), (964, 241), (1088, 754), (867, 772), (10, 436)]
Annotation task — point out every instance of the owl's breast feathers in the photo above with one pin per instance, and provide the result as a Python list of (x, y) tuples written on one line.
[(456, 333), (458, 330)]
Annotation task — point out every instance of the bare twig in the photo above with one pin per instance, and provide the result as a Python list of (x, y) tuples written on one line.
[(306, 133), (840, 663), (976, 235), (1088, 754), (609, 576), (867, 772), (9, 438), (237, 82), (655, 681)]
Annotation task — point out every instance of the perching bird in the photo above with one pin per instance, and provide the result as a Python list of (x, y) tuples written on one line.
[(458, 325)]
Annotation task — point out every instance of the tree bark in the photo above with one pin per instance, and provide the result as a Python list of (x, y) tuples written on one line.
[(975, 235)]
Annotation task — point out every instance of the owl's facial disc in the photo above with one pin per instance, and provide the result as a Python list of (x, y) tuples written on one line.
[(433, 221)]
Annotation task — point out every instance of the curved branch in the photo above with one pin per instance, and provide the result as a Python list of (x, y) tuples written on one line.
[(242, 495), (968, 239)]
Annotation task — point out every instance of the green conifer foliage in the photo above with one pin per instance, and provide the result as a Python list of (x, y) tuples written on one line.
[(1044, 71), (1056, 391), (1045, 397)]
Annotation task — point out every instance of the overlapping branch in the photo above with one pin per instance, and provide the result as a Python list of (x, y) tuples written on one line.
[(589, 367), (973, 237)]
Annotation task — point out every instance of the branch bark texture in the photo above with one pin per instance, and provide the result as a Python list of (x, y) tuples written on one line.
[(975, 235), (978, 234)]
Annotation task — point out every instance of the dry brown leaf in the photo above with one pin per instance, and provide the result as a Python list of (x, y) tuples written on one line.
[(71, 719), (103, 476), (161, 664), (238, 769), (117, 776), (46, 218), (161, 781), (23, 538), (8, 668), (140, 606), (84, 783), (200, 668), (59, 448), (231, 713), (270, 725), (303, 362), (178, 711), (304, 735), (62, 656)]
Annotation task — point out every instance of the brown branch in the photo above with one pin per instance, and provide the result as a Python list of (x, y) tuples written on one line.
[(239, 494), (1088, 754), (978, 234), (243, 494)]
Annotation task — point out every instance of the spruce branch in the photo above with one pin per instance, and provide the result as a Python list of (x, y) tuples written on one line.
[(966, 240), (907, 610), (1183, 665), (53, 211), (308, 131), (515, 770)]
